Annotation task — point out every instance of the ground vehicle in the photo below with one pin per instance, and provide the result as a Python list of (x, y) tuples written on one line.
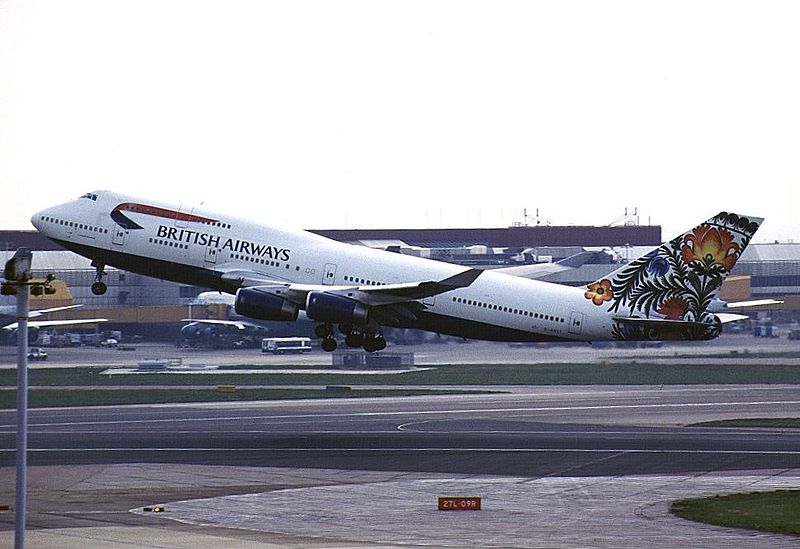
[(281, 345), (37, 353), (110, 342)]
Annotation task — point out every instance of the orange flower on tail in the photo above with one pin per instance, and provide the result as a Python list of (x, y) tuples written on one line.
[(711, 247), (674, 308), (600, 292)]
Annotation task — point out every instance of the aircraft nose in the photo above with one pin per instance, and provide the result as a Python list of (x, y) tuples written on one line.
[(39, 219), (36, 219)]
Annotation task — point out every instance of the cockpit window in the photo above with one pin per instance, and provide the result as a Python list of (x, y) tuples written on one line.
[(90, 196)]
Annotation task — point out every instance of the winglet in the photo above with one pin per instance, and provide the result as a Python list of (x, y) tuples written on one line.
[(462, 280), (392, 293)]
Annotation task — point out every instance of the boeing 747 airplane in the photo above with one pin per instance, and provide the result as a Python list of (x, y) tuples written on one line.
[(275, 273)]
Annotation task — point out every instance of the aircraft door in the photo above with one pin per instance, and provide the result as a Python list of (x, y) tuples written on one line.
[(118, 236), (211, 255), (330, 274), (575, 323)]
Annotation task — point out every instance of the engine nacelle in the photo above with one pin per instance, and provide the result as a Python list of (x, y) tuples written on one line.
[(190, 331), (263, 305), (324, 307)]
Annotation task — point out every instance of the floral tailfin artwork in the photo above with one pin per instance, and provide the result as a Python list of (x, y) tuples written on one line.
[(666, 293)]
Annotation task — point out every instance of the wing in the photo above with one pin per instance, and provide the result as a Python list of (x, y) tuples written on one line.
[(540, 270), (389, 293), (233, 323), (40, 312), (51, 323), (387, 304)]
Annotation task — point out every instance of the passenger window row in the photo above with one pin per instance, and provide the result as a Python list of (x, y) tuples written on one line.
[(505, 309), (357, 280), (169, 243), (82, 226), (261, 261)]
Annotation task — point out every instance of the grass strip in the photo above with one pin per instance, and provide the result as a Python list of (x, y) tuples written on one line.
[(48, 398), (777, 511), (456, 374), (769, 422)]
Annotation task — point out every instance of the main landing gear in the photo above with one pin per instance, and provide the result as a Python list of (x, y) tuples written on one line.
[(325, 331), (355, 336), (99, 287)]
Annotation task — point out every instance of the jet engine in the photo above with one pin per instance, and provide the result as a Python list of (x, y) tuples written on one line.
[(190, 331), (325, 307), (263, 305), (197, 331)]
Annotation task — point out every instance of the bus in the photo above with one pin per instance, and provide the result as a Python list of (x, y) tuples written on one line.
[(281, 345)]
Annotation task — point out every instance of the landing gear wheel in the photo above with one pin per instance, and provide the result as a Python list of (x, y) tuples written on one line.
[(372, 344), (323, 331), (329, 344), (354, 339), (99, 288)]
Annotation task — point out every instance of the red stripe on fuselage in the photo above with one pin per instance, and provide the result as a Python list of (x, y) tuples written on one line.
[(162, 212)]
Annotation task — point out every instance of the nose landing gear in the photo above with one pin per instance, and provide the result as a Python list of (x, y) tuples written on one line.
[(99, 287)]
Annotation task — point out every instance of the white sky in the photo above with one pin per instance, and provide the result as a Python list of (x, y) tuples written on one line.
[(407, 114)]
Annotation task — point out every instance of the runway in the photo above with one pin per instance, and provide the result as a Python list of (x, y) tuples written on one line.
[(543, 431), (513, 448)]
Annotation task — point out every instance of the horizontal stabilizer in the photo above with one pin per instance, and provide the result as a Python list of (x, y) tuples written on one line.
[(725, 318), (657, 329), (753, 303)]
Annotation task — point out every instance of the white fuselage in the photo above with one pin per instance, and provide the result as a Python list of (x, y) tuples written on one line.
[(206, 249)]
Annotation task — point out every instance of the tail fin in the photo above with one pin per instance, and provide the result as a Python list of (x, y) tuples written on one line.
[(679, 279)]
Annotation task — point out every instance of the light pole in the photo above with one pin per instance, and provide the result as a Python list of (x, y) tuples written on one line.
[(17, 275)]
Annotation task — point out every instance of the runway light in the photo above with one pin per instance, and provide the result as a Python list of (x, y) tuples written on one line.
[(154, 509), (459, 504)]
